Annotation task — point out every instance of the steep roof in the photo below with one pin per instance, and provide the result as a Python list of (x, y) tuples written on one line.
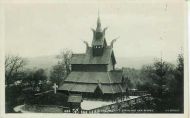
[(95, 77), (77, 87), (88, 57), (90, 88), (110, 82)]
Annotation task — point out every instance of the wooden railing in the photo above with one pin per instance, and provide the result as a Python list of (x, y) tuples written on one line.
[(126, 106), (123, 106)]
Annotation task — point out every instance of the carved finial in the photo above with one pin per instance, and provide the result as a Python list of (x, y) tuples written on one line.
[(105, 29), (113, 41), (93, 30), (85, 42)]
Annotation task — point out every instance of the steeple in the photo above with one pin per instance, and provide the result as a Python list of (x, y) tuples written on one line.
[(98, 28), (99, 41)]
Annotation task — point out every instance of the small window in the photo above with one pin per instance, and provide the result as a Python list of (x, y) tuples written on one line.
[(99, 46)]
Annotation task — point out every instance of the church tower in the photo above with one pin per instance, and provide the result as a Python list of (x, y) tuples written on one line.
[(93, 73), (99, 40)]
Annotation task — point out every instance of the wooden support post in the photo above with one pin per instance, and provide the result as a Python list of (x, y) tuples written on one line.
[(130, 106), (143, 107), (71, 109), (136, 105), (79, 109)]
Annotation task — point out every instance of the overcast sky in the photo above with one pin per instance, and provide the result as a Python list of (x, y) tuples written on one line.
[(145, 28)]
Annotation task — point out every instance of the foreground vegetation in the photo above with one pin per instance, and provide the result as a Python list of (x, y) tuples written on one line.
[(162, 79)]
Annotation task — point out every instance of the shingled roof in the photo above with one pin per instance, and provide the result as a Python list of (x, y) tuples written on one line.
[(88, 81), (90, 88), (88, 57), (95, 77)]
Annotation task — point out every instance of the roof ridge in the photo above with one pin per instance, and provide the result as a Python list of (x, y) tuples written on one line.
[(110, 54), (121, 88), (99, 85)]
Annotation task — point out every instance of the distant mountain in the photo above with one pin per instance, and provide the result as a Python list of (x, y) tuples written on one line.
[(133, 62), (45, 62), (42, 62)]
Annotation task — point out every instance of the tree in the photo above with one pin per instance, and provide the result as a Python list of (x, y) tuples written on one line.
[(133, 77), (179, 76), (13, 65), (63, 67), (35, 79), (13, 72), (157, 77), (57, 74)]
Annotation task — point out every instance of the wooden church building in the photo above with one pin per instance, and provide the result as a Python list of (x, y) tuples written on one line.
[(93, 73)]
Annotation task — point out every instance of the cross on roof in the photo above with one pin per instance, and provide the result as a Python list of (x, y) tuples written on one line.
[(55, 88)]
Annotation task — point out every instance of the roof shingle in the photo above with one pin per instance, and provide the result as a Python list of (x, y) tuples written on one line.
[(90, 88), (88, 57), (88, 81), (95, 77)]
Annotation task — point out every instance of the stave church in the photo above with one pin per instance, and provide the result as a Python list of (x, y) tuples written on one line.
[(93, 74)]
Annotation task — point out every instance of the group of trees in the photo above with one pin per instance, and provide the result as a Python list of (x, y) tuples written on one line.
[(15, 70), (13, 67), (16, 74), (165, 83), (60, 71), (19, 79)]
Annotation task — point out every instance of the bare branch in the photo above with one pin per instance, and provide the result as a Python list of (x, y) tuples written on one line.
[(12, 65)]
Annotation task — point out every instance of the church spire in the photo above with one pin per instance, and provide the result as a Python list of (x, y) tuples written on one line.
[(98, 28), (99, 41)]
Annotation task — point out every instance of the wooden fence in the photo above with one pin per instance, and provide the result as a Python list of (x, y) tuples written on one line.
[(131, 105)]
